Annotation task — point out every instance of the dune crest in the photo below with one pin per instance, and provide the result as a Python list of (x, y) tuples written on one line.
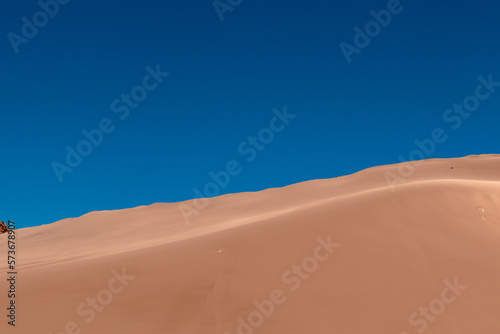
[(423, 257)]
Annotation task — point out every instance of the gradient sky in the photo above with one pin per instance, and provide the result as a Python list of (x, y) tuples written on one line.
[(226, 77)]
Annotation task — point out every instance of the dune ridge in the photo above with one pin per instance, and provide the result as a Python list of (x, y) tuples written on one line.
[(400, 249)]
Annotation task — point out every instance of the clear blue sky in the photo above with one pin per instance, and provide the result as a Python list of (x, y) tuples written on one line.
[(225, 78)]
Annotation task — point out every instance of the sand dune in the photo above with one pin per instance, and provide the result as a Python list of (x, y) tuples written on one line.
[(347, 255)]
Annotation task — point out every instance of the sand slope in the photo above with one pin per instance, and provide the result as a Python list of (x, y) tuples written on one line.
[(424, 258)]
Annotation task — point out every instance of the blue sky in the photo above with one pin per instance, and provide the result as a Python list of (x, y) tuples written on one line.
[(225, 79)]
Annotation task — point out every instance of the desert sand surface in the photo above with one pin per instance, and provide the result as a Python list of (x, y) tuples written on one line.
[(348, 255)]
